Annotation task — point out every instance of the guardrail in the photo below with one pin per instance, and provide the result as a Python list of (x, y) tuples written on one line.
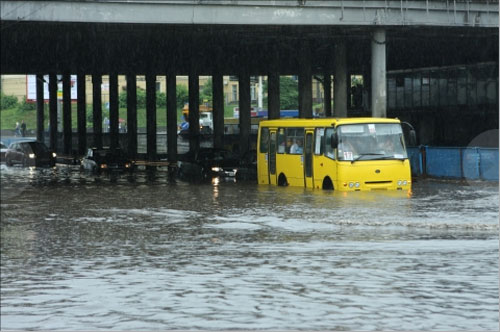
[(470, 163)]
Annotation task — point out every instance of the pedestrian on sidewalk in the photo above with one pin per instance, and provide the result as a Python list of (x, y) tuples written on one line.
[(17, 131), (23, 128)]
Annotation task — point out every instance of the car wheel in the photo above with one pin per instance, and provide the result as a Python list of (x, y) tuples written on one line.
[(205, 173)]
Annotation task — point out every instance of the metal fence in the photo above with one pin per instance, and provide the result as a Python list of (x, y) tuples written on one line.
[(471, 163)]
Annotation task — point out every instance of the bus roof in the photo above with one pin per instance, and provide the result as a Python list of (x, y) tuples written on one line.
[(323, 122)]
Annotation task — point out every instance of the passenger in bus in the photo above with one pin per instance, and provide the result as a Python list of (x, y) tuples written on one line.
[(288, 145), (296, 147)]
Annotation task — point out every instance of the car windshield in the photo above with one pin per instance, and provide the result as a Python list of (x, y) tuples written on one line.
[(105, 153), (36, 147), (371, 141)]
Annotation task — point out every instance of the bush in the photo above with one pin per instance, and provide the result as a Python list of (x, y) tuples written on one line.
[(7, 101), (161, 98), (27, 106)]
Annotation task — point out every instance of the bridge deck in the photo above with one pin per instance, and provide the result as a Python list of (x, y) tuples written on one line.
[(480, 13)]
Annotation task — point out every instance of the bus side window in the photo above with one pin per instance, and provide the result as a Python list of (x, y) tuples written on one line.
[(264, 140), (329, 151), (281, 140), (319, 144), (295, 140)]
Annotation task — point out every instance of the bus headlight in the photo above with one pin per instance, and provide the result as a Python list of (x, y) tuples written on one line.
[(351, 184), (400, 182), (32, 155), (356, 184), (405, 182)]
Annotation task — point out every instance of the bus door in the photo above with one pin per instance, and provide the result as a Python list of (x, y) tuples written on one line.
[(308, 159), (272, 158)]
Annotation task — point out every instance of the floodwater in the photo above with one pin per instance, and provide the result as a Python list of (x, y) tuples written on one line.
[(135, 252)]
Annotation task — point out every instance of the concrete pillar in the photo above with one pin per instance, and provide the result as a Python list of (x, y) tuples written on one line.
[(273, 95), (40, 116), (132, 116), (218, 109), (245, 116), (260, 94), (151, 116), (273, 87), (367, 88), (379, 85), (53, 112), (81, 113), (305, 82), (340, 81), (327, 87), (97, 109), (113, 111), (171, 117), (194, 111), (67, 146)]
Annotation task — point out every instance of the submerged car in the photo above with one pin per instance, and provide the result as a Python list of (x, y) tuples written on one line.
[(208, 162), (106, 159), (3, 149), (30, 154)]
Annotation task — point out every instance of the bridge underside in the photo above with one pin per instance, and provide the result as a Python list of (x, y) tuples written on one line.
[(36, 47), (242, 50)]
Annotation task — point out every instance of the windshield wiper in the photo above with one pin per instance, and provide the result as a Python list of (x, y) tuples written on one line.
[(365, 154), (383, 157)]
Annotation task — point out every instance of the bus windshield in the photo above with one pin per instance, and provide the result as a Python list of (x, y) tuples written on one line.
[(370, 141)]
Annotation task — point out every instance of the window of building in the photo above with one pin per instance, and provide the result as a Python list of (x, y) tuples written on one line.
[(234, 92)]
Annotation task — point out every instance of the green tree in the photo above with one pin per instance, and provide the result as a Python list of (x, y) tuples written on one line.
[(206, 93), (289, 93), (141, 99), (182, 95)]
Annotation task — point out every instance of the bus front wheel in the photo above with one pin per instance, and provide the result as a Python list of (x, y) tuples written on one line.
[(327, 184), (282, 181)]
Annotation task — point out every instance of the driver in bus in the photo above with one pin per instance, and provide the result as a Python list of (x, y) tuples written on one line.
[(346, 150)]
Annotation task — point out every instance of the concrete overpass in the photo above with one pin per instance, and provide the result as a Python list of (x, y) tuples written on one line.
[(235, 37)]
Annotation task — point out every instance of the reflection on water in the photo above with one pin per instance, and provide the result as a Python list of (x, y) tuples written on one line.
[(136, 251)]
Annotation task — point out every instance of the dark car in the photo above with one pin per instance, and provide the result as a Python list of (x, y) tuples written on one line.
[(208, 162), (106, 159), (3, 149), (30, 154)]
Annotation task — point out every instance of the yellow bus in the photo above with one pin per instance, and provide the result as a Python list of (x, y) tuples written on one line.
[(349, 154)]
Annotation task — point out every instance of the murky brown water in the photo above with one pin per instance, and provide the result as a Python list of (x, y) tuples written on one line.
[(139, 253)]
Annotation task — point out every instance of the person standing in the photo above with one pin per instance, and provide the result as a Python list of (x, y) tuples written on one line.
[(23, 128), (17, 131)]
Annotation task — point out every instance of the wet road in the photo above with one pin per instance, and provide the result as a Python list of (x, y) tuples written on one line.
[(137, 252)]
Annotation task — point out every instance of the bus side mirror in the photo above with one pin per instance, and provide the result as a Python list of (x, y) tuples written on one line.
[(334, 141), (413, 138)]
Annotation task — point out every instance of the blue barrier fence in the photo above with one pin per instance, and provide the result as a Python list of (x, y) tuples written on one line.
[(471, 163)]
